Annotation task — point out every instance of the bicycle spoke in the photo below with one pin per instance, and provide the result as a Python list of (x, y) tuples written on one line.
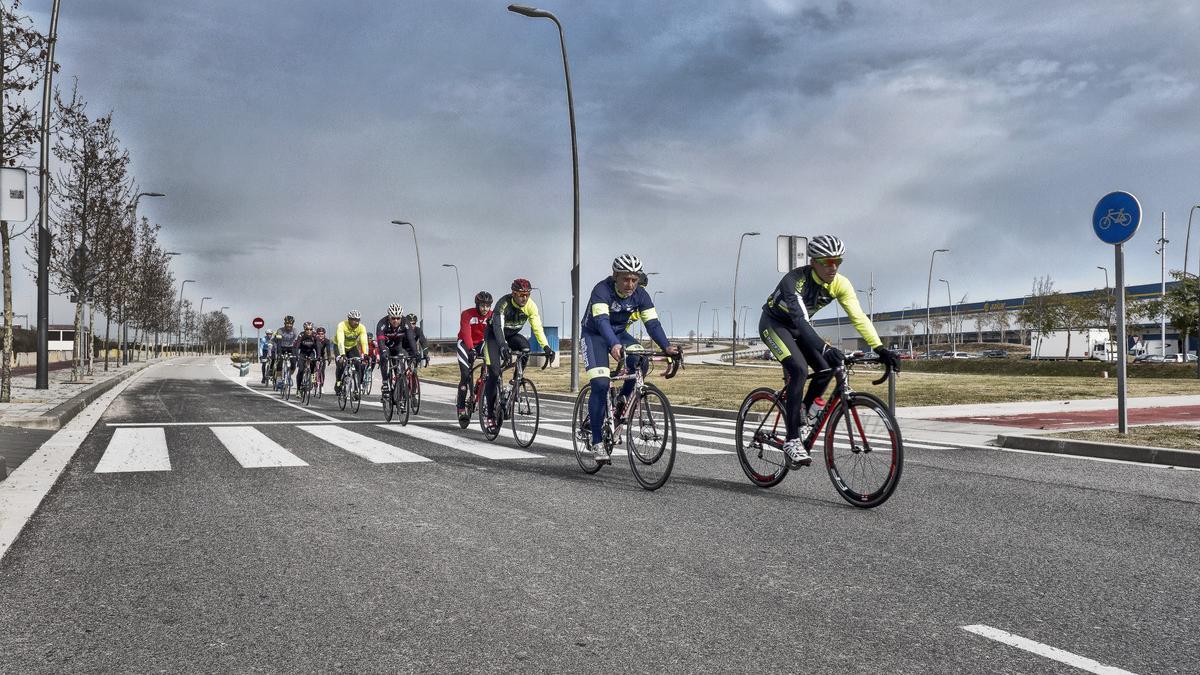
[(864, 453)]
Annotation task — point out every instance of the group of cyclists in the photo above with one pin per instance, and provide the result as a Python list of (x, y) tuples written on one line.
[(492, 331)]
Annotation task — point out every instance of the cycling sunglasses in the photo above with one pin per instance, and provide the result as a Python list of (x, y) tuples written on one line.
[(828, 261)]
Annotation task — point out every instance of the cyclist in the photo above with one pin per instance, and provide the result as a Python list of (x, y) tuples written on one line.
[(264, 352), (285, 343), (472, 323), (503, 334), (350, 341), (420, 346), (394, 334), (786, 329), (308, 345), (372, 355), (324, 354), (604, 333)]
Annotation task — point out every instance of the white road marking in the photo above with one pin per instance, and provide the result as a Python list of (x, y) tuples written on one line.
[(142, 449), (363, 446), (1052, 653), (475, 447), (681, 447), (252, 449)]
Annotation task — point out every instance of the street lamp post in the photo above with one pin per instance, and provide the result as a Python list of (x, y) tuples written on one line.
[(928, 288), (542, 14), (42, 380), (736, 267), (950, 302), (458, 281), (420, 282), (1187, 240), (440, 333), (179, 333), (671, 318), (702, 303)]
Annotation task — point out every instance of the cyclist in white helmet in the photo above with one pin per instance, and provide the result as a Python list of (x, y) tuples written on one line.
[(613, 303), (786, 329), (395, 336)]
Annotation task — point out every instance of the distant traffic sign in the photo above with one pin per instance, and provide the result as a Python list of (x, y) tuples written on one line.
[(258, 322), (1117, 217)]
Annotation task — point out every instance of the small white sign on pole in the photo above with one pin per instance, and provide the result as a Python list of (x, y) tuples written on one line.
[(14, 191), (791, 251)]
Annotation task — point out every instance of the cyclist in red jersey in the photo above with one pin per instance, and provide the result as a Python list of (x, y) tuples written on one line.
[(472, 324)]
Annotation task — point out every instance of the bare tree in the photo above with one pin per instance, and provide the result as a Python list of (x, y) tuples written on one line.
[(22, 51), (1042, 310)]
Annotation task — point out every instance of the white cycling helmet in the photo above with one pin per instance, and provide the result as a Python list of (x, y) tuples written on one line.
[(627, 263), (826, 246), (354, 314), (395, 311)]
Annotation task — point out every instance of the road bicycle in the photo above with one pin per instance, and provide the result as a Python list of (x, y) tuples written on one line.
[(285, 368), (864, 453), (399, 398), (476, 380), (322, 364), (645, 419), (517, 401), (304, 380), (350, 393), (414, 386), (271, 375), (1115, 216), (368, 376)]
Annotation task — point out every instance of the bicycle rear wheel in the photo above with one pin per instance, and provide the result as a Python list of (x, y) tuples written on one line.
[(481, 409), (526, 413), (355, 395), (650, 438), (389, 406), (343, 394), (368, 380), (414, 392), (863, 451), (760, 433), (581, 432)]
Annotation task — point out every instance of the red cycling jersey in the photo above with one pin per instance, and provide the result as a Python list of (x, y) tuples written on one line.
[(471, 327)]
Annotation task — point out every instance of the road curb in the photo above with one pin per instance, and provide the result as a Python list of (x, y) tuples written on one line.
[(717, 413), (56, 417), (1128, 453)]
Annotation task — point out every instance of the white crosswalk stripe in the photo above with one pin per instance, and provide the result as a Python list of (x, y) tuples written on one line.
[(253, 449), (142, 449), (366, 447), (465, 444), (681, 447)]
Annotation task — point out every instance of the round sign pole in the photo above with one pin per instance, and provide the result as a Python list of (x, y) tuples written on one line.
[(1115, 220)]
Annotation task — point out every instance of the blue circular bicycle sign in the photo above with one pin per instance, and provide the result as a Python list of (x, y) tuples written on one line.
[(1117, 217)]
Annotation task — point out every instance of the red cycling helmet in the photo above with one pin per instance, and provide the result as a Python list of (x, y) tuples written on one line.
[(522, 285)]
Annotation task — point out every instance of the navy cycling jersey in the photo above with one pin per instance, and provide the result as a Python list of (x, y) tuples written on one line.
[(608, 313)]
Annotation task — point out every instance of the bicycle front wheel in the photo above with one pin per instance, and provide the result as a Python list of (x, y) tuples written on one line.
[(401, 399), (526, 413), (414, 393), (368, 380), (492, 433), (343, 393), (760, 433), (355, 395), (389, 407), (581, 432), (650, 438), (863, 451)]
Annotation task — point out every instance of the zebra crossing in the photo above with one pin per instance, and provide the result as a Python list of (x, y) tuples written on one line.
[(148, 446)]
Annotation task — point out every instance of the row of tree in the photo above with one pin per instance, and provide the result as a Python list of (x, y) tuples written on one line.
[(102, 255)]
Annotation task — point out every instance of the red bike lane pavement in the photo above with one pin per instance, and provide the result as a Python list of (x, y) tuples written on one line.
[(1085, 418)]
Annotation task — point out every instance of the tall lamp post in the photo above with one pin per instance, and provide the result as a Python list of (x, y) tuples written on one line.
[(928, 288), (1185, 263), (420, 282), (671, 318), (737, 266), (42, 380), (702, 303), (950, 302), (440, 334), (179, 333), (543, 14), (458, 281)]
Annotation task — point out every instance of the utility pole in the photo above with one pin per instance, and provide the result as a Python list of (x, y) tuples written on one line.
[(1162, 259)]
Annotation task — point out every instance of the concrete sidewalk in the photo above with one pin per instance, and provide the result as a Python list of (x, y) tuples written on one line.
[(33, 408)]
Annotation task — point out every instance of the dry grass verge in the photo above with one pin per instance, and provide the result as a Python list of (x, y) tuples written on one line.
[(1158, 436), (725, 387)]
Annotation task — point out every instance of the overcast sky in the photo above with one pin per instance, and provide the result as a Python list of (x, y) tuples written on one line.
[(287, 134)]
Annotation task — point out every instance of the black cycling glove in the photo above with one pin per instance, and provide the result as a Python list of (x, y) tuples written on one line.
[(888, 357), (549, 353), (833, 356)]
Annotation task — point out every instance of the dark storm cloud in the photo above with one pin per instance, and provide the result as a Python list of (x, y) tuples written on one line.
[(292, 131)]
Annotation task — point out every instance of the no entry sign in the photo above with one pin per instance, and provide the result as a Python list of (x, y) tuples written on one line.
[(258, 322)]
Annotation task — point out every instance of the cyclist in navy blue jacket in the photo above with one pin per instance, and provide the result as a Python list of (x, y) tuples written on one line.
[(604, 333)]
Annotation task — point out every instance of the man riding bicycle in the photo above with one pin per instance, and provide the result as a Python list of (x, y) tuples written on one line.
[(264, 352), (472, 323), (309, 345), (395, 336), (503, 335), (420, 340), (350, 341), (786, 329), (285, 343), (613, 303)]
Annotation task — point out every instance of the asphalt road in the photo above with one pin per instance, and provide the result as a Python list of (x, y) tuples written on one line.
[(467, 563)]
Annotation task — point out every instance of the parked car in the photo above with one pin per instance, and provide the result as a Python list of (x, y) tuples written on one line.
[(994, 354), (959, 355), (1150, 358)]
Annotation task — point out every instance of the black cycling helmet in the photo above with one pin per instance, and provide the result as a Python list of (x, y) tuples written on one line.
[(289, 320), (483, 298)]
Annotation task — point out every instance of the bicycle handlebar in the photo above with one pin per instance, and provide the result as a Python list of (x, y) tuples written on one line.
[(887, 368), (674, 361)]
